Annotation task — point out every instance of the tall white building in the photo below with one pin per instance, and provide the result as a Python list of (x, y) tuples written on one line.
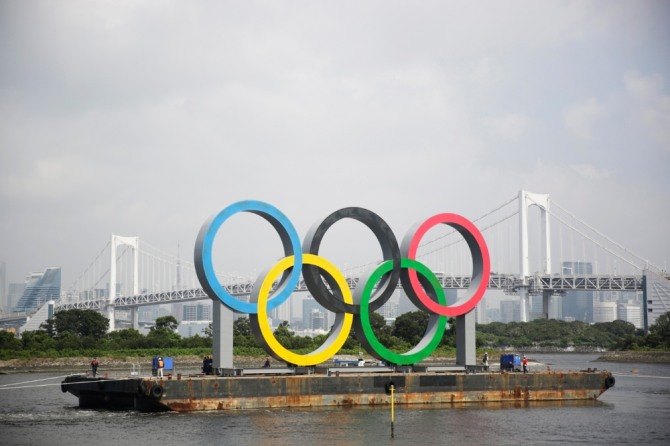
[(509, 310), (604, 311), (197, 312), (41, 287), (630, 313), (282, 313), (389, 310)]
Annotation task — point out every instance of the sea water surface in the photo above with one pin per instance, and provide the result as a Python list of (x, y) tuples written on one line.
[(635, 411)]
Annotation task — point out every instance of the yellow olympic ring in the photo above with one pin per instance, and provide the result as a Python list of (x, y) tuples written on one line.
[(341, 327)]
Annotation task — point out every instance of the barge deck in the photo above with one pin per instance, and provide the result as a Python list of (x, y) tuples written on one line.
[(313, 388)]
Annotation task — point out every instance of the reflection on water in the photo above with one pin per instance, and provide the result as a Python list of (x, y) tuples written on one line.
[(635, 411)]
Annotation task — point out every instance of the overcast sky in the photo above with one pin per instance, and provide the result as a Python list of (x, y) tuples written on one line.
[(145, 117)]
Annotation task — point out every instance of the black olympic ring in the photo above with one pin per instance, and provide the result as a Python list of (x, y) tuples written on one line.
[(391, 251)]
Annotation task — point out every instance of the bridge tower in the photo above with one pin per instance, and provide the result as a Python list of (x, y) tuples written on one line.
[(527, 199), (117, 241)]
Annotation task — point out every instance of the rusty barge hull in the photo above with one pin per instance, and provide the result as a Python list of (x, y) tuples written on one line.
[(256, 392)]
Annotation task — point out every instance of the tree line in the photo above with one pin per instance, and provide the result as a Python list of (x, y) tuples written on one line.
[(80, 332), (84, 332)]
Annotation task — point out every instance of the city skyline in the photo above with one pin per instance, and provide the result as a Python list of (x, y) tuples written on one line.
[(307, 317)]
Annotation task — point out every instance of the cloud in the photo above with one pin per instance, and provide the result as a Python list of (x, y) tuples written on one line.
[(510, 126), (483, 74), (580, 118), (144, 117), (49, 178), (590, 172), (650, 104)]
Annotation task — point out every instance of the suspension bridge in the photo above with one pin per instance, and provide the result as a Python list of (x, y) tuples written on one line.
[(537, 248)]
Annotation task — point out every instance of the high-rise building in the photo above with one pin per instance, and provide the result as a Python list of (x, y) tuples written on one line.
[(178, 311), (389, 310), (318, 320), (493, 314), (630, 313), (40, 288), (150, 313), (191, 328), (554, 307), (604, 311), (654, 303), (314, 316), (282, 313), (510, 310), (197, 312), (536, 308), (405, 305), (577, 305), (14, 293)]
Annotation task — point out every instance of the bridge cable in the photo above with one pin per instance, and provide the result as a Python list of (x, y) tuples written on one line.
[(618, 245), (596, 242), (90, 265)]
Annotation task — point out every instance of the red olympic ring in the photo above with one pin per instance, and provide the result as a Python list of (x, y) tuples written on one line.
[(480, 265)]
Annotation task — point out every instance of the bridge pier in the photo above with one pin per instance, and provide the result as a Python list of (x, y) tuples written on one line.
[(523, 304), (546, 301), (135, 317), (109, 309)]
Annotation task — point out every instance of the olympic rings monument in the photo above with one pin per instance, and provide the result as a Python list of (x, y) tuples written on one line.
[(352, 309), (307, 381)]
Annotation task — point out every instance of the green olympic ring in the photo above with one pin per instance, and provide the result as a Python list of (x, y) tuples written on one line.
[(436, 322)]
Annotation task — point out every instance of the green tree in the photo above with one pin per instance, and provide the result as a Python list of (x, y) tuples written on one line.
[(661, 329), (128, 338), (37, 340), (49, 327), (196, 341), (449, 336), (242, 327), (411, 326), (209, 331), (166, 323), (164, 333), (242, 335), (628, 342), (80, 323), (9, 341), (162, 339), (382, 331), (378, 324), (283, 334)]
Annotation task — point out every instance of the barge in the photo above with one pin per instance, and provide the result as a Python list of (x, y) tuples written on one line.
[(316, 388)]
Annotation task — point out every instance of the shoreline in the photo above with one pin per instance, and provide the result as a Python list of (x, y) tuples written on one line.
[(183, 364), (650, 357), (193, 363), (80, 365)]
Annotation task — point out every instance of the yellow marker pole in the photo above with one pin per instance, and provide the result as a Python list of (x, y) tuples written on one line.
[(392, 409)]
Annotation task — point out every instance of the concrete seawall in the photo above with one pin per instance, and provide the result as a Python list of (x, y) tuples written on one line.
[(636, 356)]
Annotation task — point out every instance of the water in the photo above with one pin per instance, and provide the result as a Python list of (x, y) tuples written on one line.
[(635, 411)]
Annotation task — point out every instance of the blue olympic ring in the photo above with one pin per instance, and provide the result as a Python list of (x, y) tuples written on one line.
[(203, 254)]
